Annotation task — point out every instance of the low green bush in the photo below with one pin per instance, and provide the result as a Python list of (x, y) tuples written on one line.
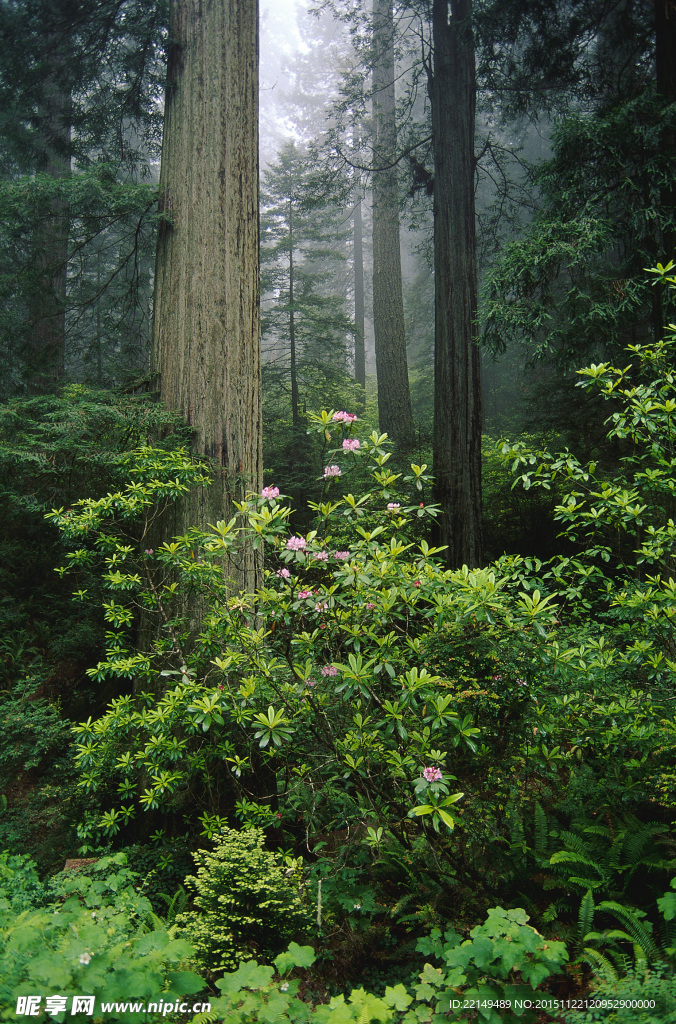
[(96, 937), (640, 998), (246, 901)]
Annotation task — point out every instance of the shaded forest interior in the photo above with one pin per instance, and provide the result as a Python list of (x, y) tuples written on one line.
[(337, 502)]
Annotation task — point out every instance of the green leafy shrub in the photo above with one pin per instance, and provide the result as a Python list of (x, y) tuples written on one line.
[(247, 901), (20, 885), (505, 960), (644, 997), (500, 967), (32, 732), (97, 936)]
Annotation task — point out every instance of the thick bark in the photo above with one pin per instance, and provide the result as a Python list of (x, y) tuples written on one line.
[(457, 366), (394, 399), (206, 329), (359, 318)]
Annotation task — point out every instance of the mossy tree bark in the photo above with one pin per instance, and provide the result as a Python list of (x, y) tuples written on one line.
[(457, 366), (206, 331), (394, 399)]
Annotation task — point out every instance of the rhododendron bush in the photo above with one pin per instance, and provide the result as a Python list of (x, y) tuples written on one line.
[(313, 686)]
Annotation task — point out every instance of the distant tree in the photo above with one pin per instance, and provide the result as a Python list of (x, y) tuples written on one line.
[(573, 286), (78, 85), (206, 332), (306, 326)]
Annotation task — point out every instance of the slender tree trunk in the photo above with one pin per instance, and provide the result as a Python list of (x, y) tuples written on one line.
[(292, 326), (206, 329), (394, 399), (457, 366), (665, 73), (46, 348), (359, 346)]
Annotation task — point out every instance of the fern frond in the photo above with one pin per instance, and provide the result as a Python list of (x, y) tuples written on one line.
[(634, 926), (586, 883), (599, 963), (585, 917), (540, 832), (616, 850), (576, 843), (640, 836)]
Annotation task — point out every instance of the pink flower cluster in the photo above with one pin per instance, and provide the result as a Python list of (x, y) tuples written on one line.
[(321, 556), (302, 594), (432, 774), (329, 670), (270, 492), (342, 556), (351, 444), (331, 471), (344, 417), (322, 606), (284, 573), (393, 506), (296, 544)]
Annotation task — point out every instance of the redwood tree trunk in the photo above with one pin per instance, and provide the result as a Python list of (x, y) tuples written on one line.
[(359, 318), (206, 329), (457, 367), (394, 399)]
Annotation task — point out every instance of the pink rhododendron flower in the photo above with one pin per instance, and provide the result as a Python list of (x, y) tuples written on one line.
[(296, 544), (310, 682), (432, 774), (393, 506), (331, 471), (344, 417), (321, 556), (284, 573), (149, 551), (369, 606), (302, 594), (351, 444), (342, 556), (321, 607), (270, 492), (329, 670)]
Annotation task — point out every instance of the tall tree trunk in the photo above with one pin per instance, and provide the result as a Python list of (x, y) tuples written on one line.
[(206, 329), (457, 366), (665, 74), (46, 348), (394, 399), (292, 326), (359, 318)]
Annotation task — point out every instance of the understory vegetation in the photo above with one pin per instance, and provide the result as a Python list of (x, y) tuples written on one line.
[(375, 789)]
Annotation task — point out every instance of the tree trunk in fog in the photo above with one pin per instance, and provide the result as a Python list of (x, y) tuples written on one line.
[(46, 344), (292, 327), (394, 399), (359, 319), (665, 74), (206, 329), (457, 367)]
